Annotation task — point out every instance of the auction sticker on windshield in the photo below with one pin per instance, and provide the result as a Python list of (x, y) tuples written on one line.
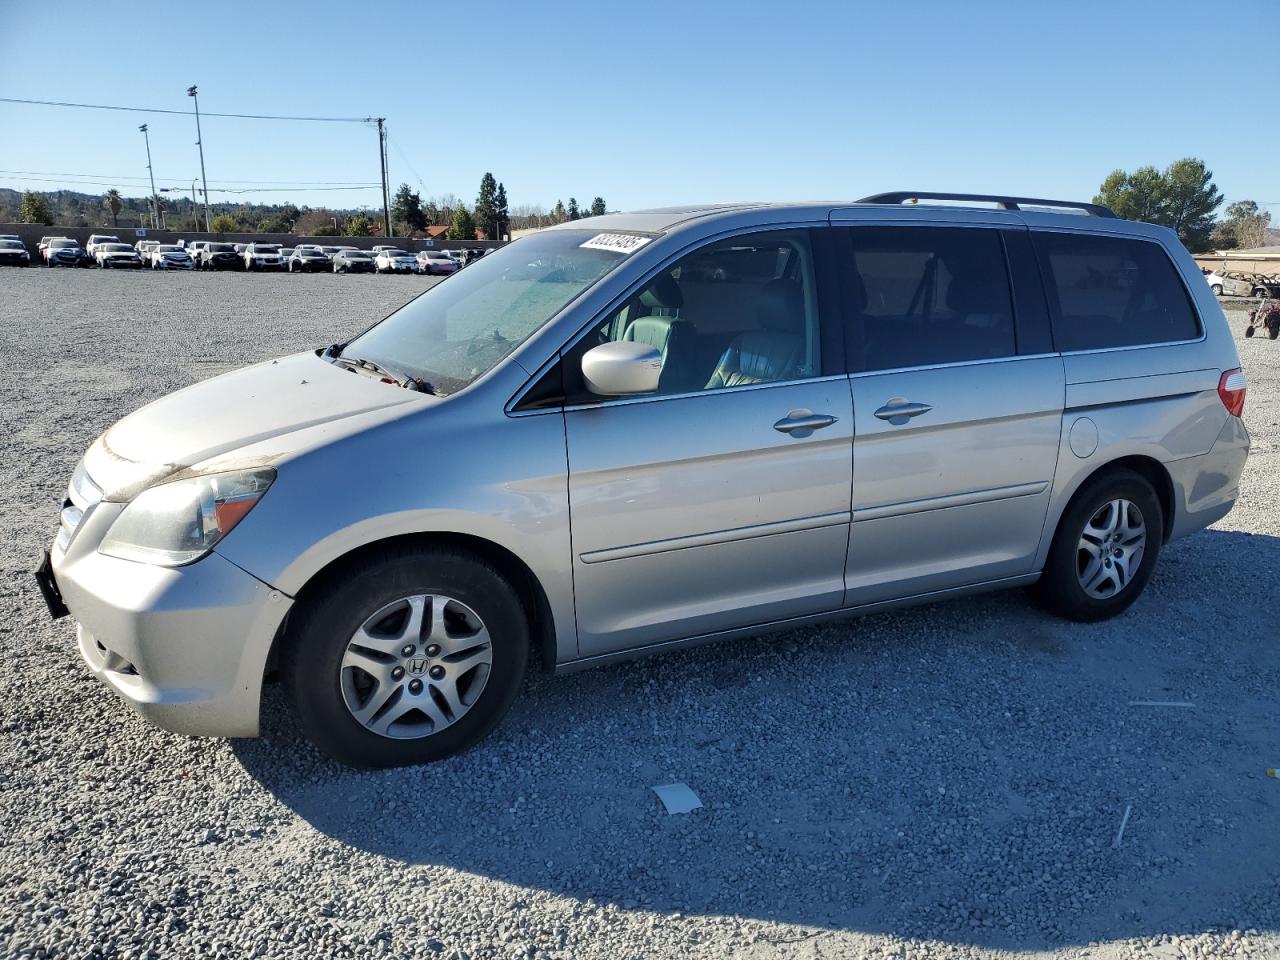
[(615, 242)]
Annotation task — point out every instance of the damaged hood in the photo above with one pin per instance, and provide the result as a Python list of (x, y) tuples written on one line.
[(218, 416)]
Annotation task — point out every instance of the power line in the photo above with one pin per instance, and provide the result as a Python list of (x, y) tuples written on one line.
[(185, 113), (109, 183), (239, 183)]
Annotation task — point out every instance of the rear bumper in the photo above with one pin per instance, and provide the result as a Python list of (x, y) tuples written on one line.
[(186, 647), (1206, 487)]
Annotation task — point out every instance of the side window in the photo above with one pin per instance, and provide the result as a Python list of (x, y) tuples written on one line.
[(1113, 292), (734, 313), (926, 295)]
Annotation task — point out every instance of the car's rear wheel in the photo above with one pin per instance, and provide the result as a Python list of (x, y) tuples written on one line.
[(1105, 548), (1217, 289), (413, 657)]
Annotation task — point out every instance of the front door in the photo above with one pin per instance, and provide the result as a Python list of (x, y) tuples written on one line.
[(958, 408), (723, 500)]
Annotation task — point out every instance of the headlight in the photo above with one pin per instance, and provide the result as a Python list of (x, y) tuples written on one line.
[(175, 523)]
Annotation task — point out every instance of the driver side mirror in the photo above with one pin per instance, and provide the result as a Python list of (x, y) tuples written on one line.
[(621, 368)]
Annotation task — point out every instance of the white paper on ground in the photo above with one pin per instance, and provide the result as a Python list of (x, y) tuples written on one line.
[(677, 797)]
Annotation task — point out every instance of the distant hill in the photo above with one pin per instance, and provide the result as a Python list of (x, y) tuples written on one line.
[(72, 209)]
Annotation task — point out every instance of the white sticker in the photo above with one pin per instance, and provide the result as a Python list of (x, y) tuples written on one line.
[(615, 242)]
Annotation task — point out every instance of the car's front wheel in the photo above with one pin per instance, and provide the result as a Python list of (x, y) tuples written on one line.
[(412, 657), (1105, 548), (1217, 289)]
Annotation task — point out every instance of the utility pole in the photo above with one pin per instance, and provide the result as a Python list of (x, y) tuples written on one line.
[(195, 214), (191, 92), (382, 159), (155, 207)]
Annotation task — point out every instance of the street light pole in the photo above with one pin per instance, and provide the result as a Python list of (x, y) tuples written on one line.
[(191, 92), (155, 207), (382, 160)]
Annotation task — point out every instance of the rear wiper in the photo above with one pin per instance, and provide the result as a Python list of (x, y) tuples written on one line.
[(400, 379)]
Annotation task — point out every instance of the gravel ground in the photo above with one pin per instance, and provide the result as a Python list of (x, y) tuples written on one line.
[(943, 782)]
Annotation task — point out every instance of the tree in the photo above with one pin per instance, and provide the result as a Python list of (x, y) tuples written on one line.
[(275, 223), (34, 209), (501, 211), (486, 205), (406, 211), (1242, 225), (114, 204), (558, 214), (574, 213), (225, 223), (1182, 197), (463, 226), (597, 207), (359, 226), (316, 223)]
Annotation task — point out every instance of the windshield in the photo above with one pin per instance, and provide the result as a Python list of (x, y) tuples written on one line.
[(11, 244), (395, 253), (266, 248), (353, 255), (59, 244), (168, 248), (458, 330), (117, 248), (221, 248)]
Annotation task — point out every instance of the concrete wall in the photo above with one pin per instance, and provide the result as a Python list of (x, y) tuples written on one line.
[(31, 234)]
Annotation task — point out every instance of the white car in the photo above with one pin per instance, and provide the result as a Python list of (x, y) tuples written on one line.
[(91, 247), (1230, 286), (263, 256), (390, 260), (433, 262), (169, 256), (113, 255)]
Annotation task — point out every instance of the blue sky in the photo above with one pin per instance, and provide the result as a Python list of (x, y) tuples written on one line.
[(646, 103)]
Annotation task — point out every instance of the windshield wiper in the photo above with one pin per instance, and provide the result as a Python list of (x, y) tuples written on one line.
[(400, 379)]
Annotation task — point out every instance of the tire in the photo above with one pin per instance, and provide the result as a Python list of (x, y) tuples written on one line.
[(1249, 330), (1273, 330), (1260, 292), (1217, 289), (320, 681), (1060, 589)]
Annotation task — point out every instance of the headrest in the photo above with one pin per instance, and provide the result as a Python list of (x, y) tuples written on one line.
[(780, 306), (662, 291)]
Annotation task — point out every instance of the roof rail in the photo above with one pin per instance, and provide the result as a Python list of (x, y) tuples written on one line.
[(1004, 203)]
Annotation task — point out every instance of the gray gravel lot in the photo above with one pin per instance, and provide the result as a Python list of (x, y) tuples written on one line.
[(942, 782)]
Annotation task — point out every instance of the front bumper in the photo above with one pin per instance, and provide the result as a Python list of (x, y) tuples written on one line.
[(186, 647)]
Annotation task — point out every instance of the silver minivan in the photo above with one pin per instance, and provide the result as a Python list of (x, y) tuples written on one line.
[(635, 432)]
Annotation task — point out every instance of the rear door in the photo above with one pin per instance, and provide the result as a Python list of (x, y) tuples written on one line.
[(958, 400), (723, 500)]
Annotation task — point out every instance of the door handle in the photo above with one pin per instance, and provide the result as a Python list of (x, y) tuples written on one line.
[(801, 423), (899, 410)]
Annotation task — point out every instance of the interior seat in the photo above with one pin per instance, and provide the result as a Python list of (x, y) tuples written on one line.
[(662, 328), (773, 352)]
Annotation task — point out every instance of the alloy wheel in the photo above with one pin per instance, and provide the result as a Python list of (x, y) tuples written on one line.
[(1110, 550), (416, 666)]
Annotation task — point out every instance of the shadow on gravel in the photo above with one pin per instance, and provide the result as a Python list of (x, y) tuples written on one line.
[(956, 772)]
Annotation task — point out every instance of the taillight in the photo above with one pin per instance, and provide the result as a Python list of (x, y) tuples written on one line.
[(1231, 390)]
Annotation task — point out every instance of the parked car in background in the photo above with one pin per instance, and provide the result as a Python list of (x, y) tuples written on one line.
[(219, 256), (14, 253), (331, 252), (263, 256), (436, 262), (240, 247), (116, 255), (286, 253), (195, 247), (352, 261), (64, 252), (391, 260), (375, 250), (169, 256), (10, 236), (91, 247), (308, 260), (40, 247)]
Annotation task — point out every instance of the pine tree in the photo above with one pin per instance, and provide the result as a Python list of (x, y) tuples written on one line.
[(406, 211), (486, 205), (574, 212), (463, 226), (34, 209), (597, 207), (502, 213), (557, 213)]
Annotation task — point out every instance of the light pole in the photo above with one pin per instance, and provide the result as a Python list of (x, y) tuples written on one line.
[(155, 207), (195, 209), (336, 228), (191, 92)]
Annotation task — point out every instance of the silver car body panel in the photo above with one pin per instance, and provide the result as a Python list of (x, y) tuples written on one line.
[(647, 522)]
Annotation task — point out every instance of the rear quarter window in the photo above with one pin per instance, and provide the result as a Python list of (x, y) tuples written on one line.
[(1107, 292)]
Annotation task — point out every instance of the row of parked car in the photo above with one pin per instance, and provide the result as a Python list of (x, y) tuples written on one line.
[(108, 252)]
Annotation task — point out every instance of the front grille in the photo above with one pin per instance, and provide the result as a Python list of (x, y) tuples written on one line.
[(82, 496)]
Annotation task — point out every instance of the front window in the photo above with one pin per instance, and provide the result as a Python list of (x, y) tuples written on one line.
[(221, 248), (266, 248), (456, 331)]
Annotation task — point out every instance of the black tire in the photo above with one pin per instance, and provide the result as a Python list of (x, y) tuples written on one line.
[(1273, 330), (1059, 589), (1217, 289), (1249, 330), (1260, 292), (320, 631)]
